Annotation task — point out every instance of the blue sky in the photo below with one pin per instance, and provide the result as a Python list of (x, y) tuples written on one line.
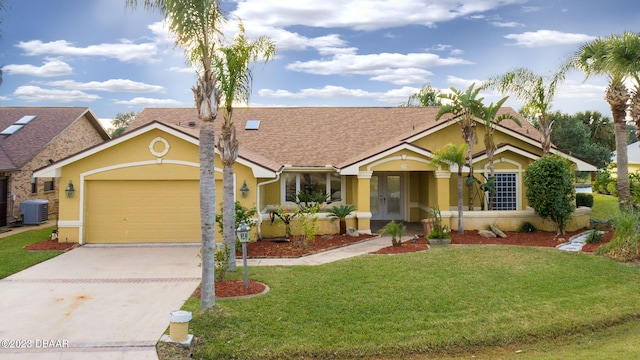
[(98, 54)]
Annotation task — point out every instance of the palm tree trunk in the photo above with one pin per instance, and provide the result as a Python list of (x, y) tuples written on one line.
[(228, 147), (492, 173), (545, 135), (460, 202), (624, 192), (206, 100), (470, 164), (207, 212)]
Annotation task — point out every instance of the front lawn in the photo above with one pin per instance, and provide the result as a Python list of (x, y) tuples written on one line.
[(14, 258), (604, 207), (445, 300)]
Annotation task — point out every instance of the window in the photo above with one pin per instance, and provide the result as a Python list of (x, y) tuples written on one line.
[(506, 192), (34, 185), (328, 183), (48, 185)]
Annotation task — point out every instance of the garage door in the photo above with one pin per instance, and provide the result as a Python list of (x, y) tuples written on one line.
[(142, 211)]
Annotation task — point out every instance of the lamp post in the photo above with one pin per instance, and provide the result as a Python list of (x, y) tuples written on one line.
[(243, 236)]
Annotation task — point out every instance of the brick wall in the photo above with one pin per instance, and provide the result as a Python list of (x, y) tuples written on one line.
[(77, 137)]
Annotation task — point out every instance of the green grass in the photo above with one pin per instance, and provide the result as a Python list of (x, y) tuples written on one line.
[(604, 207), (446, 300), (14, 258)]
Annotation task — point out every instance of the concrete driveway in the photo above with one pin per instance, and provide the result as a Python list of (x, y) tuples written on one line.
[(96, 302)]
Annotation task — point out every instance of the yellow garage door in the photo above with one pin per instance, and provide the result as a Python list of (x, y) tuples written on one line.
[(142, 211)]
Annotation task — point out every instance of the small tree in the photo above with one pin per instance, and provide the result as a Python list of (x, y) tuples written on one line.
[(340, 213), (120, 123), (550, 189)]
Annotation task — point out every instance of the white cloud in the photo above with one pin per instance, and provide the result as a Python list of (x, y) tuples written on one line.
[(393, 96), (548, 38), (380, 66), (4, 98), (50, 68), (31, 93), (124, 51), (149, 102), (112, 85), (508, 24), (184, 69), (360, 14)]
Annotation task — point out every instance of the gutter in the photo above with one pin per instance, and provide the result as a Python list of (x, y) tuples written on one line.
[(258, 202)]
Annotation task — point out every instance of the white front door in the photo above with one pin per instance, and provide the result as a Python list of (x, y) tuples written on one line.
[(386, 197)]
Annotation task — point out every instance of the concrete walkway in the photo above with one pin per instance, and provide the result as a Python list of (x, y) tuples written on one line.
[(96, 302)]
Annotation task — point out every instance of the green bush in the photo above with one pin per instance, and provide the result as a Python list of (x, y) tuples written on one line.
[(583, 199), (624, 245), (550, 190), (527, 227), (594, 237), (396, 230), (221, 261)]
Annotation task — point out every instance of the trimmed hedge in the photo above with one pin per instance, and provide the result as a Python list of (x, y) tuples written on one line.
[(583, 199)]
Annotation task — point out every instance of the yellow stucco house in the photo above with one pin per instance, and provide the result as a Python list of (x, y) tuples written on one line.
[(143, 186)]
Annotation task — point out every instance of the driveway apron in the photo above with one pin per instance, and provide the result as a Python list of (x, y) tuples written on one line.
[(96, 302)]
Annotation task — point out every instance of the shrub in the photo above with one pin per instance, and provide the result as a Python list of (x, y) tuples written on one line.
[(550, 189), (527, 227), (439, 231), (340, 213), (624, 245), (583, 199), (221, 261), (594, 237), (396, 230)]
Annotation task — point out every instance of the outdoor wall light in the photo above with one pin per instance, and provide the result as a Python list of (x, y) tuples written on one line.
[(243, 236), (244, 190), (70, 190)]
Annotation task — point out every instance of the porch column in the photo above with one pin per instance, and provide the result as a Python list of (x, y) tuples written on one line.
[(363, 213), (442, 183)]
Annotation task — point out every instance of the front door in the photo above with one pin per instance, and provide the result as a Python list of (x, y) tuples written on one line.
[(386, 197)]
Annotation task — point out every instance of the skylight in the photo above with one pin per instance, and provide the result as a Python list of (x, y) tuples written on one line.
[(11, 129), (252, 125), (25, 120)]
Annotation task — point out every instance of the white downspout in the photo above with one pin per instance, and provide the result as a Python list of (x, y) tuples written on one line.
[(258, 202)]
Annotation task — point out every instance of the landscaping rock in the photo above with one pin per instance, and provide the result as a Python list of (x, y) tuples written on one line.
[(352, 232), (486, 233), (497, 231)]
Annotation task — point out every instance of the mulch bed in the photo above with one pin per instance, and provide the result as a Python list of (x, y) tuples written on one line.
[(269, 249), (51, 245)]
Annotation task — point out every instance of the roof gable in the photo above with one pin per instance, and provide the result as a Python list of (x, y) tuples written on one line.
[(33, 136)]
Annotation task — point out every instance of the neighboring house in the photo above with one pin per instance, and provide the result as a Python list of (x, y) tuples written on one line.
[(633, 158), (144, 185), (33, 137)]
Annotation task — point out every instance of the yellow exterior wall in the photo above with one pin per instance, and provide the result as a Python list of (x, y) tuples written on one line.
[(133, 160)]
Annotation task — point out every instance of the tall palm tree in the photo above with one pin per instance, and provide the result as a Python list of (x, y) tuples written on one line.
[(196, 24), (453, 155), (618, 57), (491, 119), (234, 78), (464, 107), (537, 93)]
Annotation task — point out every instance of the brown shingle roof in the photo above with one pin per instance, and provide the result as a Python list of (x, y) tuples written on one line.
[(19, 148), (317, 136)]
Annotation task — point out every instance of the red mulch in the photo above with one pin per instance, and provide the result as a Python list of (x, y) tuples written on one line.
[(269, 249), (234, 288), (50, 245)]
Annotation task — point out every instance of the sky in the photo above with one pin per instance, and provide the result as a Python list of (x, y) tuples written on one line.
[(112, 59)]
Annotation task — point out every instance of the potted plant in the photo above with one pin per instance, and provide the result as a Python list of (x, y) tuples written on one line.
[(341, 212), (396, 230), (439, 234)]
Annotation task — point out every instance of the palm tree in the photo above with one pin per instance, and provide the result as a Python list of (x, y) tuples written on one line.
[(234, 78), (453, 155), (535, 91), (341, 212), (618, 57), (465, 108), (491, 119), (196, 23), (426, 96)]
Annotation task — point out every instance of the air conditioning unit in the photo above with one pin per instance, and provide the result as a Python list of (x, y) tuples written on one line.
[(34, 212)]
